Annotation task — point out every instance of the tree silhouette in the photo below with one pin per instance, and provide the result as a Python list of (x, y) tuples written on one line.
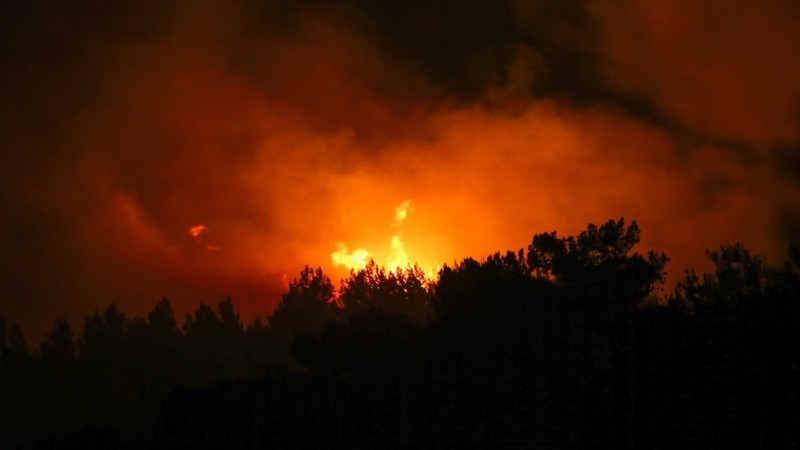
[(59, 348), (553, 346), (739, 343), (472, 285), (372, 343), (229, 318), (307, 305), (738, 278), (54, 391), (103, 336), (598, 261), (162, 324), (16, 341), (15, 381), (157, 346), (215, 343), (403, 291)]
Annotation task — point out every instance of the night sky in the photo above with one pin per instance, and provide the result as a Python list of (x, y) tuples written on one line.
[(198, 149)]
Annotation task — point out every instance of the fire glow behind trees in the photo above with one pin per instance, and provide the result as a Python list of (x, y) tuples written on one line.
[(295, 133)]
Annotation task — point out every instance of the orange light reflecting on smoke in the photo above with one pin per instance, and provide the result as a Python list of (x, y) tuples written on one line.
[(197, 230)]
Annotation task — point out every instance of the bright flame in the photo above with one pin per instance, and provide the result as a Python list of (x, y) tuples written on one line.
[(401, 212), (356, 260), (398, 259), (197, 230)]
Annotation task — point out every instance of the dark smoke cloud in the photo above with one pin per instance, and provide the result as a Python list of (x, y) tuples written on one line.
[(286, 128)]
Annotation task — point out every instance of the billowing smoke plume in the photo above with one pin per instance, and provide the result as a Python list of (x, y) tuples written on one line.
[(200, 150)]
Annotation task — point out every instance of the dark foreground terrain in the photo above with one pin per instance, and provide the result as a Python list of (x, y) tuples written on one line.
[(567, 344)]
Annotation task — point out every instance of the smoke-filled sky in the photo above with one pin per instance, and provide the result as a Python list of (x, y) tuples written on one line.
[(198, 149)]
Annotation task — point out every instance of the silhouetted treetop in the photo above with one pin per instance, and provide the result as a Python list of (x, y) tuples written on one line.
[(307, 305), (794, 257), (597, 265), (161, 320), (208, 324), (404, 290), (103, 334), (599, 258), (535, 349), (12, 342), (229, 317), (16, 341), (738, 278), (59, 347), (496, 283)]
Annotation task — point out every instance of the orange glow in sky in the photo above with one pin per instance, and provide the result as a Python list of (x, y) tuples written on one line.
[(197, 230), (685, 121), (395, 258)]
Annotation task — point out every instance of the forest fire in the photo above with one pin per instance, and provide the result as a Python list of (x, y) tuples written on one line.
[(259, 127), (355, 260), (397, 257), (195, 151)]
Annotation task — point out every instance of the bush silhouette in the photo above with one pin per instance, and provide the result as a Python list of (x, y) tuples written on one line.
[(556, 345)]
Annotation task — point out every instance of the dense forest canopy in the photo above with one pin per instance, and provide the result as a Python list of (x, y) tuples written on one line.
[(569, 342), (195, 149)]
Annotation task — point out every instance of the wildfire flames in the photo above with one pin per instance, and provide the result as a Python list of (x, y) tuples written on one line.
[(221, 143), (397, 257), (356, 260)]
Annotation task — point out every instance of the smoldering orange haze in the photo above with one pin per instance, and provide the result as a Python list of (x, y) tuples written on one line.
[(481, 181), (291, 146)]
